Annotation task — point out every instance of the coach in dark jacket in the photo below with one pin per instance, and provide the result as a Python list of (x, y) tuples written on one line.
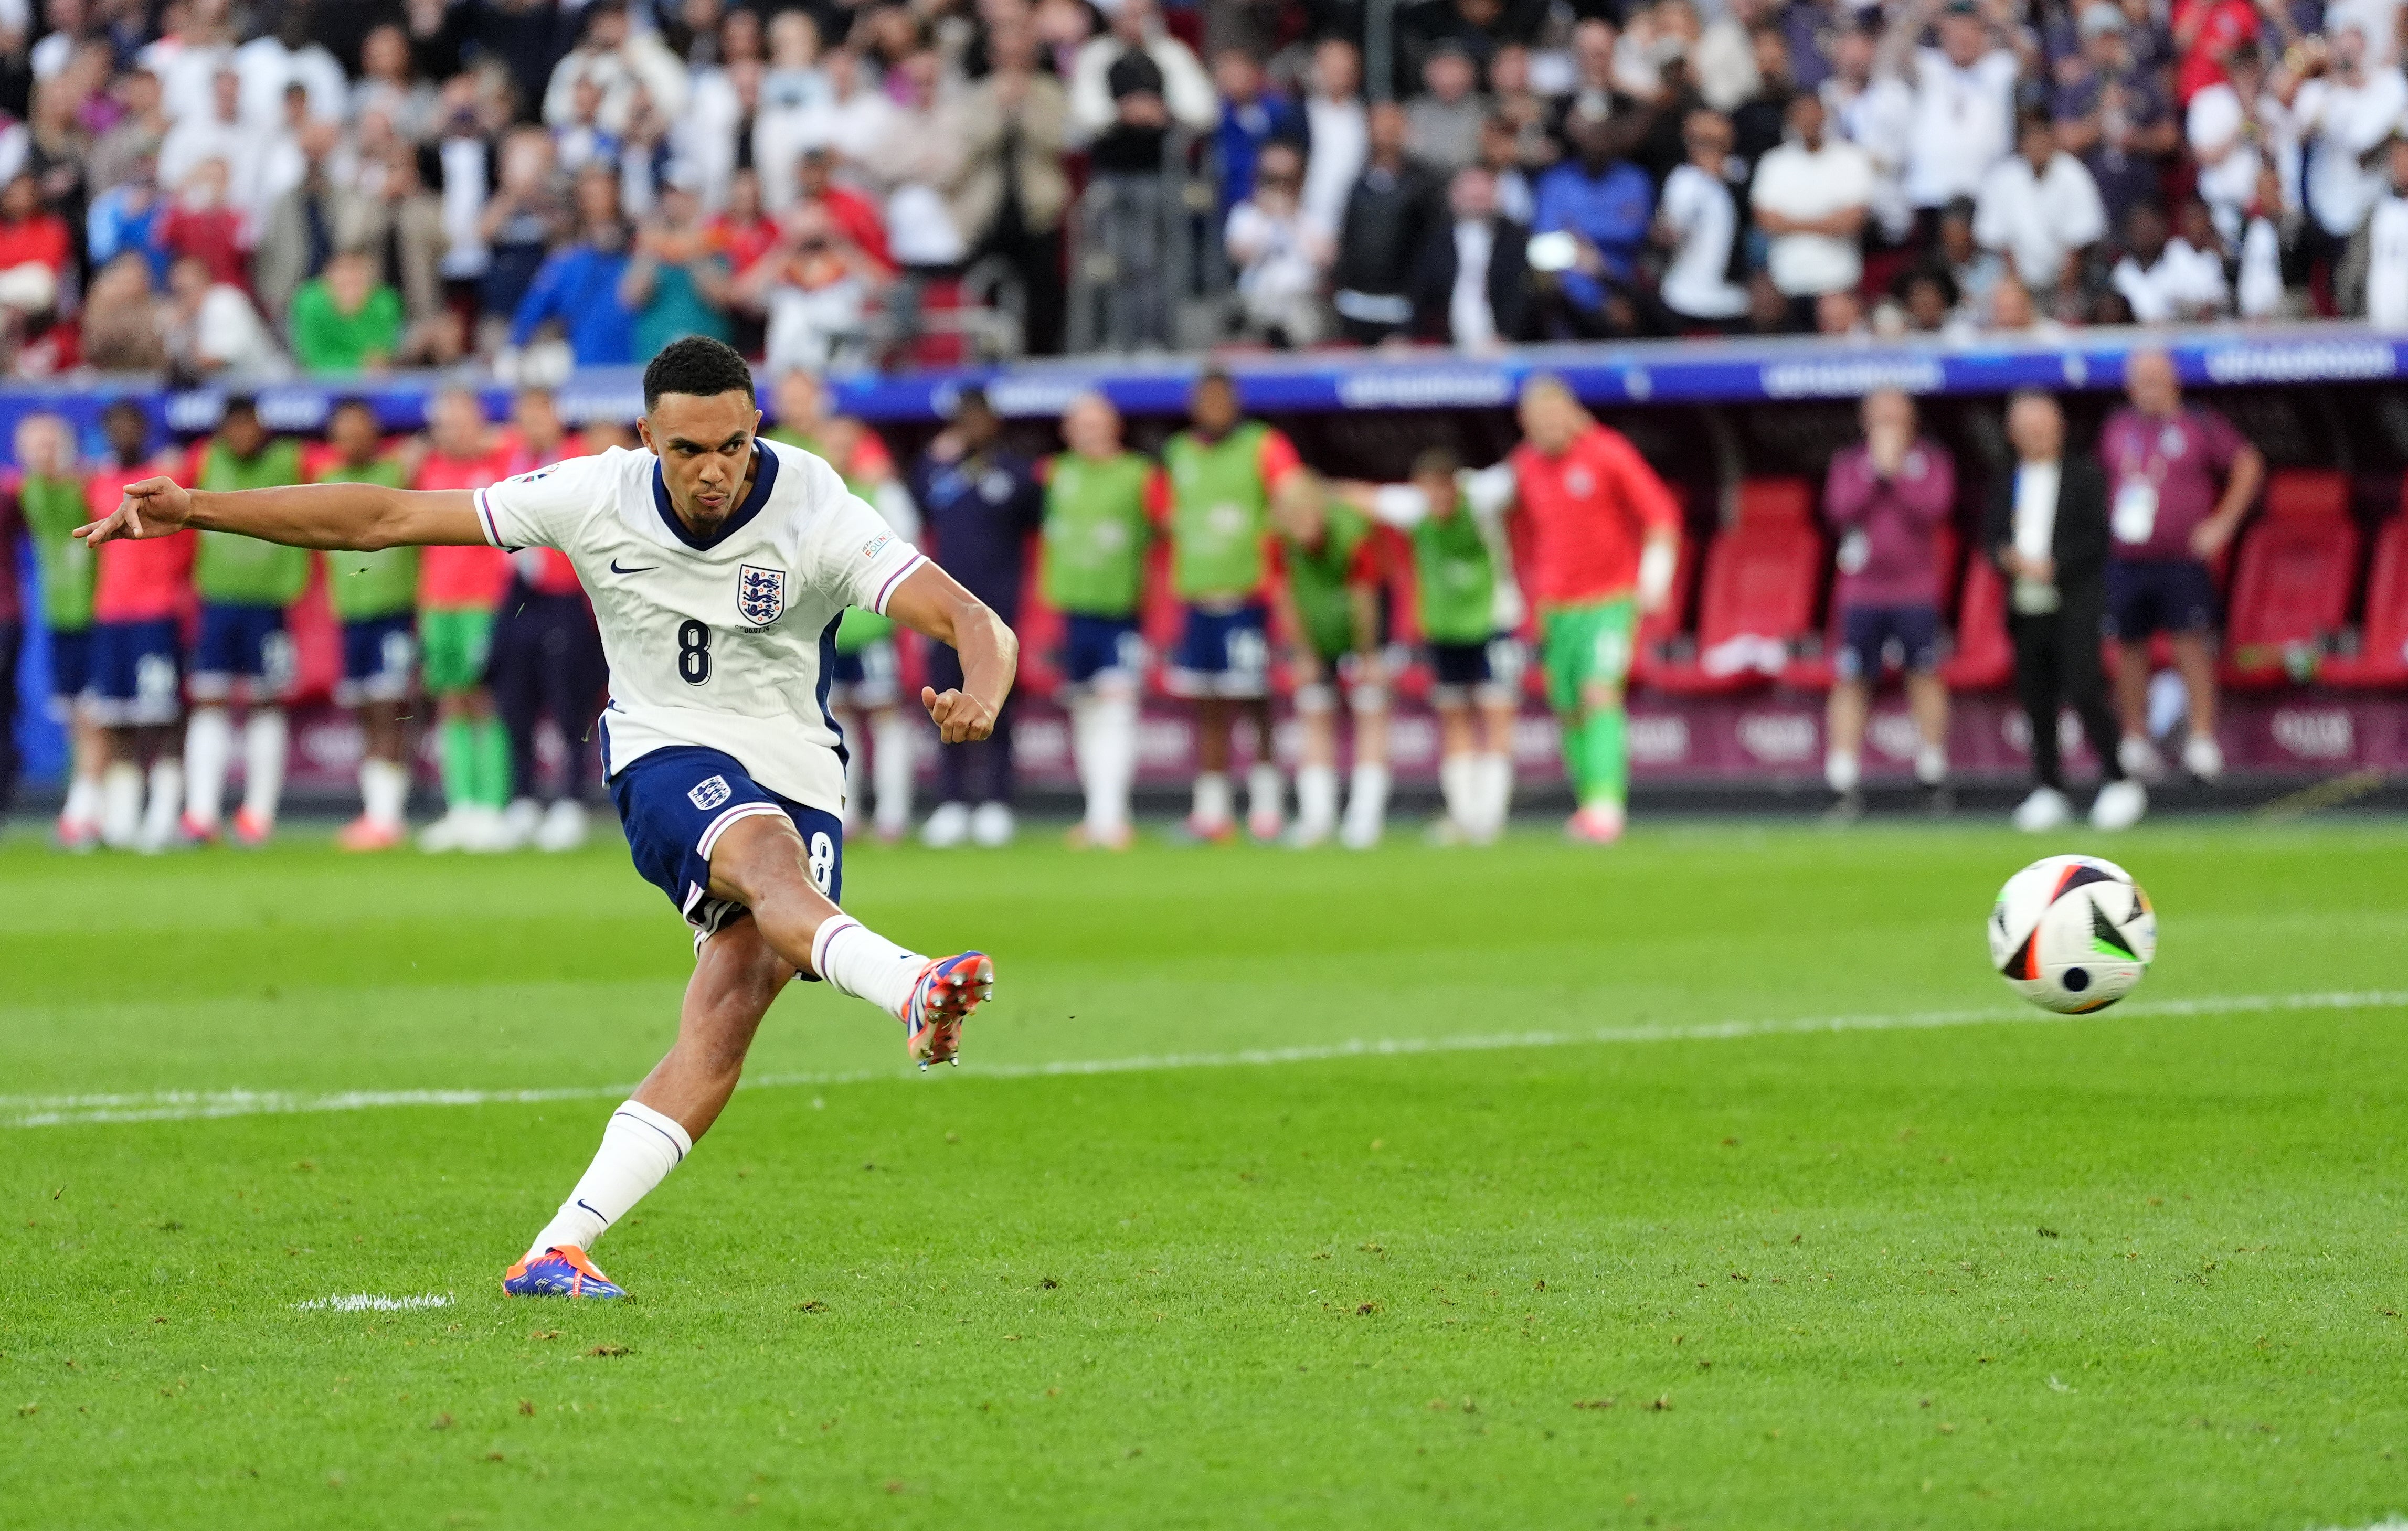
[(1494, 305), (2047, 530)]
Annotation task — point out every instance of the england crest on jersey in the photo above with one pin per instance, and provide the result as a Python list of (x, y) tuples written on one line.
[(760, 594)]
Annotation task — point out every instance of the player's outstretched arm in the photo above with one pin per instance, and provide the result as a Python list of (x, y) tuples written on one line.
[(365, 517), (934, 604)]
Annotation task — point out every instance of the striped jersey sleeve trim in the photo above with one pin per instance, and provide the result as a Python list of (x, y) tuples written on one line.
[(886, 591), (719, 825), (485, 517)]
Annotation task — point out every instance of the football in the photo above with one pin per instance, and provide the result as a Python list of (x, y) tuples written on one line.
[(2072, 933)]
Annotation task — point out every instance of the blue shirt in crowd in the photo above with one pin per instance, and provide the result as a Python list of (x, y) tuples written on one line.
[(1244, 129), (580, 287), (1611, 209)]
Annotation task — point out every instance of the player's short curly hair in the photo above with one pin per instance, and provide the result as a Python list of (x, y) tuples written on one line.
[(696, 365)]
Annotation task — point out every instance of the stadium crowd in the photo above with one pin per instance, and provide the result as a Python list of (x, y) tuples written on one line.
[(202, 188)]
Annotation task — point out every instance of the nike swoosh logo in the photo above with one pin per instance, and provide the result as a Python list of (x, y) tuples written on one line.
[(643, 568)]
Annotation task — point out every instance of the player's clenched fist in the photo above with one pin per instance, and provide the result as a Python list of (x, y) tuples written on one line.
[(960, 717), (154, 508)]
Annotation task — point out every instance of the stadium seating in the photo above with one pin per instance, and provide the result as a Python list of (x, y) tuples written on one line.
[(2291, 581), (2382, 657), (1984, 658), (1761, 576)]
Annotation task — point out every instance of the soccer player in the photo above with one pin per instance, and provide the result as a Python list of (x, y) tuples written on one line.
[(1470, 608), (983, 502), (866, 693), (547, 656), (2169, 517), (458, 590), (1100, 504), (245, 587), (1605, 538), (1331, 605), (1887, 499), (49, 499), (1225, 470), (375, 597), (139, 591), (718, 565)]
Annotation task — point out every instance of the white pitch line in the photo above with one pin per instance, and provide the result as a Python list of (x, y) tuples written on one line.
[(192, 1105), (368, 1302)]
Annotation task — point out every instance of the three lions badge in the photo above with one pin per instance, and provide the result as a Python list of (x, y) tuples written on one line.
[(760, 594)]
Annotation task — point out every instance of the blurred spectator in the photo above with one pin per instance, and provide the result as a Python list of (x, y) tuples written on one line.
[(1390, 215), (1810, 198), (2205, 32), (616, 57), (2112, 112), (794, 80), (122, 321), (1876, 113), (1927, 302), (2266, 239), (578, 139), (1442, 124), (1973, 269), (1758, 121), (405, 236), (130, 146), (2235, 128), (1279, 255), (2168, 282), (218, 134), (210, 326), (2040, 208), (1501, 156), (1337, 130), (194, 44), (1130, 88), (2373, 276), (740, 232), (345, 320), (387, 84), (304, 227), (1252, 116), (518, 226), (577, 286), (853, 215), (920, 155), (1964, 108), (1608, 205), (203, 225), (30, 232), (270, 65), (1520, 115), (128, 217), (2012, 311), (1471, 288), (2343, 115), (815, 288), (1182, 89), (675, 284), (1840, 313), (1724, 61), (1008, 192), (1698, 221)]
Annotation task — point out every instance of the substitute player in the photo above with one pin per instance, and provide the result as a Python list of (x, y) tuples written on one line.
[(375, 598), (1470, 610), (139, 592), (1225, 470), (1605, 538), (246, 586), (459, 589), (719, 564), (866, 693), (1331, 603), (1100, 504), (547, 658), (49, 499)]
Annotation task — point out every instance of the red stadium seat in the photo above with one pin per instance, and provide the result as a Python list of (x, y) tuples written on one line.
[(2382, 659), (2291, 581), (1762, 573), (1984, 659)]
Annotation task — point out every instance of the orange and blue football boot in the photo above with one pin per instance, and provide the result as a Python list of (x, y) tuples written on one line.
[(949, 988), (561, 1271)]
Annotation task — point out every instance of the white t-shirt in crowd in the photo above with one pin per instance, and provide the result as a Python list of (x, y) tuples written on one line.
[(2042, 219), (719, 645), (2386, 266), (2258, 292), (1807, 183), (1698, 207), (2183, 281), (1964, 123), (268, 67), (1879, 120), (2341, 122), (2229, 185), (1471, 321), (1341, 136)]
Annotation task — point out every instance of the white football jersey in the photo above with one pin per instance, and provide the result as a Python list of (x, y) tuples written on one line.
[(724, 643)]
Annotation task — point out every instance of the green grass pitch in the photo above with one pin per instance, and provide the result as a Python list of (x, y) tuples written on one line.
[(1607, 1237)]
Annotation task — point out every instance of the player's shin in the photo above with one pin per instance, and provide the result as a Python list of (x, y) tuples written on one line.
[(1493, 791), (208, 750), (120, 804), (639, 1147), (264, 741), (1117, 739)]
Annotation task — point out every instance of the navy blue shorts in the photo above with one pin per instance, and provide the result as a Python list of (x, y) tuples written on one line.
[(675, 804), (70, 662), (135, 673), (1224, 653), (1865, 633), (380, 653), (2147, 595), (247, 642), (1094, 645), (869, 676)]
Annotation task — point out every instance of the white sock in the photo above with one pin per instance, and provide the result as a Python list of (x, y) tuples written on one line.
[(120, 804), (1843, 770), (891, 743), (1211, 810), (1931, 763), (1493, 789), (1367, 800), (639, 1148), (82, 809), (167, 800), (1316, 800), (208, 748), (857, 961), (1090, 755), (1265, 791), (265, 740), (1116, 728), (384, 792), (1456, 789)]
